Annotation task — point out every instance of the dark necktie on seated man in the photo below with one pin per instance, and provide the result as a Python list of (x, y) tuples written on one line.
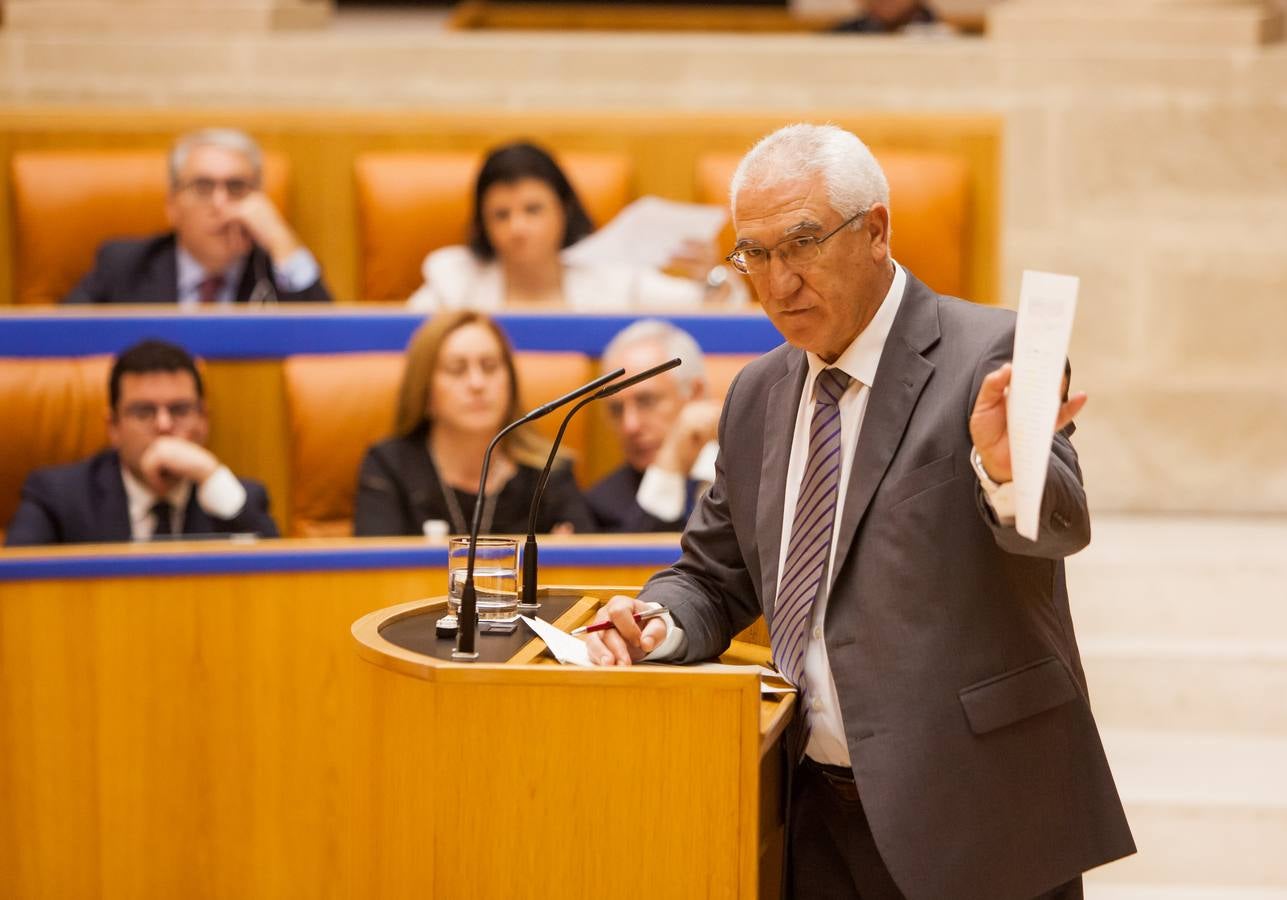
[(809, 551), (209, 287), (163, 512)]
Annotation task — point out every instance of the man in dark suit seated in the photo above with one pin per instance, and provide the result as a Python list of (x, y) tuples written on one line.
[(229, 243), (666, 426), (157, 480)]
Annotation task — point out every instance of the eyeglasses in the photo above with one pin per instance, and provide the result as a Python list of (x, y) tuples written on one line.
[(796, 252), (205, 188), (146, 413)]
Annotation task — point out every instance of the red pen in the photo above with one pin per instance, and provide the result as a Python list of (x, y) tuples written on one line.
[(639, 618)]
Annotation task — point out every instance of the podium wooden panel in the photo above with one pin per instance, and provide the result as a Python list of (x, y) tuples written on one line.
[(191, 720), (530, 779)]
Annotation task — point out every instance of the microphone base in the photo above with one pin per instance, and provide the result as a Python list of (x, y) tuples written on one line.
[(464, 657), (446, 626), (528, 608)]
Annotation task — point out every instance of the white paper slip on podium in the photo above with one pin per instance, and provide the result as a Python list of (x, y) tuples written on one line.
[(1047, 303), (566, 649)]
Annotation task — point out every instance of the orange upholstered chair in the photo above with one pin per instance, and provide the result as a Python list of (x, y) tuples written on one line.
[(66, 203), (929, 197), (412, 203), (55, 411), (338, 404)]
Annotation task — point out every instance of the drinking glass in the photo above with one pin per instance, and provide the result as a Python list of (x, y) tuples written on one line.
[(495, 576)]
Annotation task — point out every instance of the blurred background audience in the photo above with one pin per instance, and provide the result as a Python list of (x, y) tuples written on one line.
[(459, 388), (156, 480), (229, 243), (525, 212)]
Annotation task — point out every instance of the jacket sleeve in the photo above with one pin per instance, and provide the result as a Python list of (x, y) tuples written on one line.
[(380, 508), (1065, 516), (563, 502), (254, 516), (709, 591), (93, 288), (35, 522)]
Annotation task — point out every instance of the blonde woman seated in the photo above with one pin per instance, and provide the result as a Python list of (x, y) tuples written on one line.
[(525, 214), (459, 389)]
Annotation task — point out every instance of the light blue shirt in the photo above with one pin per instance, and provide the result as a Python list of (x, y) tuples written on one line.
[(299, 271)]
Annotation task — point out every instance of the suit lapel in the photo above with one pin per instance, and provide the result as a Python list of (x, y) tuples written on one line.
[(901, 376), (110, 505), (779, 426)]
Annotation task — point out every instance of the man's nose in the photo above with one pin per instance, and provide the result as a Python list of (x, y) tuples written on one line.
[(630, 421), (782, 279), (164, 421)]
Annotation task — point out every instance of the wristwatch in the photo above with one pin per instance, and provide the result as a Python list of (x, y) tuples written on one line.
[(976, 462)]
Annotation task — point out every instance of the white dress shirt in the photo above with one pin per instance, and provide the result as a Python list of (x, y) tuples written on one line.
[(221, 496), (294, 275), (456, 279), (663, 494)]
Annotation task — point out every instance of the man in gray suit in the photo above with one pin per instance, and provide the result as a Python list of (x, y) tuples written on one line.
[(862, 504)]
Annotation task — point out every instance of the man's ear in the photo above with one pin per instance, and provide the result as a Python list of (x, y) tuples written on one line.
[(113, 432), (700, 390), (876, 223), (171, 210)]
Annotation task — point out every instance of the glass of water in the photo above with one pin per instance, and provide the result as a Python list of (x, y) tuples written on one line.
[(495, 576)]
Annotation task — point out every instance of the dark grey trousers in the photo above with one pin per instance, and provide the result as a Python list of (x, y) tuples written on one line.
[(832, 853)]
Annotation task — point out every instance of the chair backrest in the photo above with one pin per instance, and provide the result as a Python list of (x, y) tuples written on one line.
[(929, 198), (67, 202), (54, 410), (339, 404), (410, 204)]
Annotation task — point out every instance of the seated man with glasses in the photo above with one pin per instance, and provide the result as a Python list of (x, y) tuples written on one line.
[(156, 480), (229, 243)]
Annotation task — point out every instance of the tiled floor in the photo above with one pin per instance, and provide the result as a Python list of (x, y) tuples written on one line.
[(1183, 628)]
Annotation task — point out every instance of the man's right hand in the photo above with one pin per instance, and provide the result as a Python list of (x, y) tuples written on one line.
[(626, 642), (169, 460), (260, 221), (696, 426)]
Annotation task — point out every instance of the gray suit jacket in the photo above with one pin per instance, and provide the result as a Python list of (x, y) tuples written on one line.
[(949, 636)]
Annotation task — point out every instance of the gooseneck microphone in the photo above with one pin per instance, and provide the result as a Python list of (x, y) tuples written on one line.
[(529, 603), (467, 618)]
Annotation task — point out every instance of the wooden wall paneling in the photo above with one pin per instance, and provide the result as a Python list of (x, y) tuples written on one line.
[(248, 426)]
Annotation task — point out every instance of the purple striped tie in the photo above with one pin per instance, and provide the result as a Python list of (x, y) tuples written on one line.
[(809, 553)]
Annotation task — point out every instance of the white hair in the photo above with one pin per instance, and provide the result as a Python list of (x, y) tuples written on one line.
[(227, 138), (853, 178), (672, 340)]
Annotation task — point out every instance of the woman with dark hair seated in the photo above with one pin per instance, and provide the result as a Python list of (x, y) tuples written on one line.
[(525, 214), (459, 388)]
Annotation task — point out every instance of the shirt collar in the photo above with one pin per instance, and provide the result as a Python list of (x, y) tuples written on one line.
[(140, 498), (191, 273), (862, 357)]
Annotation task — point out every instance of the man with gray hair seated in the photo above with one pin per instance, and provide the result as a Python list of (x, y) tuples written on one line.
[(229, 244), (666, 426)]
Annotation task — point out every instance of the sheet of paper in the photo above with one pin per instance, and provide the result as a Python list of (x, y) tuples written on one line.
[(566, 649), (648, 232), (1047, 303)]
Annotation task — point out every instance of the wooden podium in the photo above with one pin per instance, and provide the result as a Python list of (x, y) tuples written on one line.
[(515, 777)]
